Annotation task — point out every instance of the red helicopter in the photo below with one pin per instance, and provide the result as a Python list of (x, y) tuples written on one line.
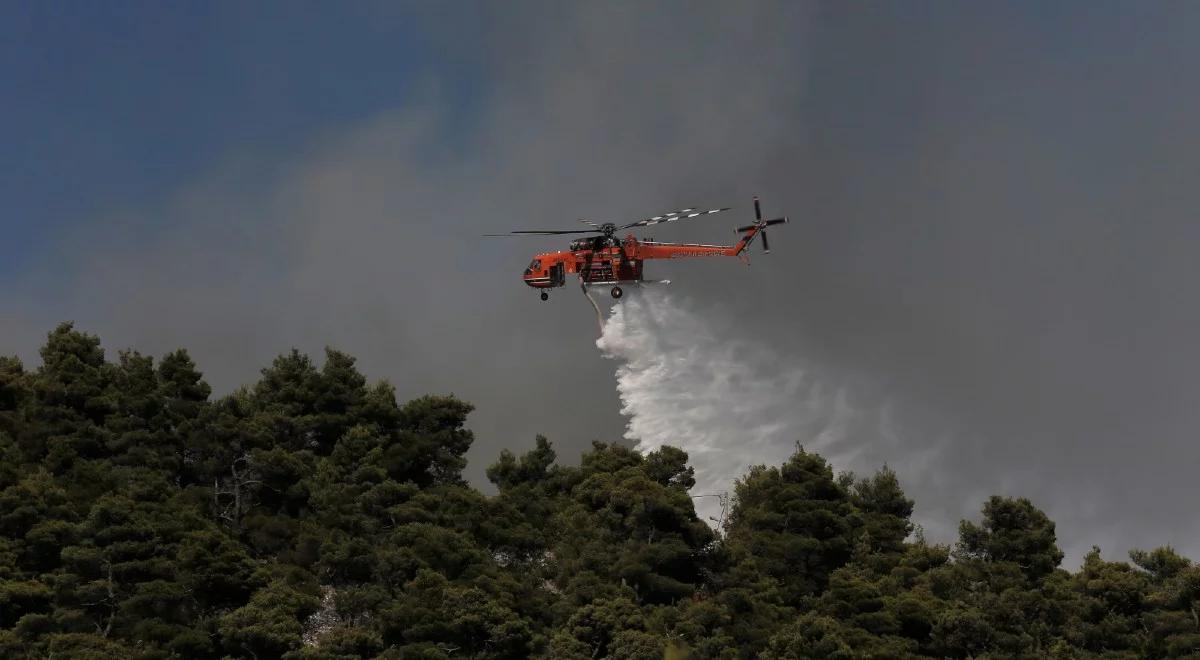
[(605, 260)]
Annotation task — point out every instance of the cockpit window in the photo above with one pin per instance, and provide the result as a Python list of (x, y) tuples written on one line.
[(536, 265)]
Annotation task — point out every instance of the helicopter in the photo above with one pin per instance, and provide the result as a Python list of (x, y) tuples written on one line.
[(605, 260)]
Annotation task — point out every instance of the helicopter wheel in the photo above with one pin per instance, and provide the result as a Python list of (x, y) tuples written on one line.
[(617, 292), (545, 296)]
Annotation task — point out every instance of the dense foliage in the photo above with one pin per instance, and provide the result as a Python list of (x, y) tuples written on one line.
[(312, 516)]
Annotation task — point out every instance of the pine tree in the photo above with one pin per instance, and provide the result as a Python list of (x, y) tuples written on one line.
[(796, 523), (885, 512)]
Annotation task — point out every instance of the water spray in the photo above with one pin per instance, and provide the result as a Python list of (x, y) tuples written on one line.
[(729, 403)]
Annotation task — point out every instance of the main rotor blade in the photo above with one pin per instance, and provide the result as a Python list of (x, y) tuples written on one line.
[(589, 222), (681, 214), (659, 218), (539, 232)]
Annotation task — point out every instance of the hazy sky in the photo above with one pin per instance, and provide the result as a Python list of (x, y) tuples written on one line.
[(991, 252)]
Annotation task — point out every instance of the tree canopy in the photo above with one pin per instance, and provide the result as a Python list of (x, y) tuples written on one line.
[(311, 515)]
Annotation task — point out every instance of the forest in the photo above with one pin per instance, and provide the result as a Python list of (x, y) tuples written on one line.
[(312, 515)]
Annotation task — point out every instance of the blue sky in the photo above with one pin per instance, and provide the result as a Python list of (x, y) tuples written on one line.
[(113, 104)]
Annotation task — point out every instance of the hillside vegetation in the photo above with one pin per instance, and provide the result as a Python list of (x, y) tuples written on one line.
[(311, 515)]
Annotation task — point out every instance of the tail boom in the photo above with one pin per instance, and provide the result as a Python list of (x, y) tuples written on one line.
[(653, 250), (684, 250)]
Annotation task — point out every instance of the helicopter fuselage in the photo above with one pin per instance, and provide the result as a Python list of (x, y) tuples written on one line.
[(614, 261)]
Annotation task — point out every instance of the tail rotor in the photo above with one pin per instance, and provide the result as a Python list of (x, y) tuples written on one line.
[(758, 219), (761, 226)]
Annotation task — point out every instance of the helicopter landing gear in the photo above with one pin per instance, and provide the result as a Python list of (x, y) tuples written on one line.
[(617, 292), (545, 296)]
